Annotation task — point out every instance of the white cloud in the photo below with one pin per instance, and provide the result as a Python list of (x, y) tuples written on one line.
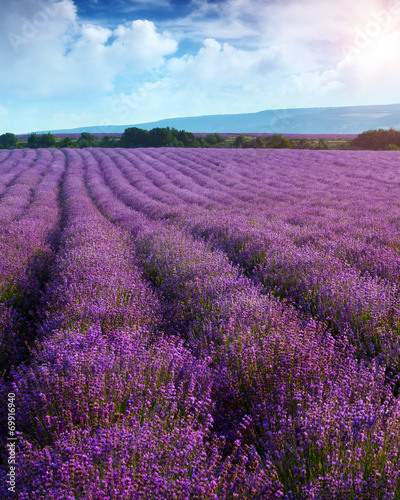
[(139, 43), (63, 57), (222, 64), (244, 56), (218, 79)]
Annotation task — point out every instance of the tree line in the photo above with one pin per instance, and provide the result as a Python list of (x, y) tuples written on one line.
[(135, 137), (381, 139), (132, 138)]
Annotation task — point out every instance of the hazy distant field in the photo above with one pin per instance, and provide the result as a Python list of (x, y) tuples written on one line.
[(200, 323)]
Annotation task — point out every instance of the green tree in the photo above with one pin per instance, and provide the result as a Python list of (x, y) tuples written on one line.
[(108, 142), (258, 143), (86, 140), (33, 141), (304, 143), (239, 141), (66, 143), (213, 139), (376, 139), (8, 141), (277, 141), (47, 141), (161, 137), (321, 144), (186, 139), (135, 137)]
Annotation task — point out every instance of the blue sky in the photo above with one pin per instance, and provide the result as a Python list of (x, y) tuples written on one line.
[(70, 63)]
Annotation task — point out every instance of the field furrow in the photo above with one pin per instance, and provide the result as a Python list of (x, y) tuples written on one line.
[(201, 323), (274, 372), (146, 178), (27, 250), (12, 169), (105, 385), (132, 195), (190, 179)]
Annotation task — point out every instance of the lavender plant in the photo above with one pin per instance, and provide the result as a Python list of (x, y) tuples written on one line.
[(209, 323)]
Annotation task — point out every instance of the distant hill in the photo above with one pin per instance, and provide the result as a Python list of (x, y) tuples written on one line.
[(340, 120)]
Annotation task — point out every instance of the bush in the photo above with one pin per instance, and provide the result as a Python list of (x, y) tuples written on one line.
[(41, 141), (8, 141), (277, 141), (66, 143), (86, 140), (239, 141), (377, 139)]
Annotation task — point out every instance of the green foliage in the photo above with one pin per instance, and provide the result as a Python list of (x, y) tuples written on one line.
[(41, 141), (66, 143), (161, 137), (377, 139), (8, 141), (187, 139), (33, 141), (213, 139), (304, 143), (86, 140), (240, 141), (321, 144), (47, 141), (277, 141), (135, 137), (109, 142), (259, 143), (166, 137)]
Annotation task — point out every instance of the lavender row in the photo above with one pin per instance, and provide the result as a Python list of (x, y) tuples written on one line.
[(359, 306), (333, 291), (365, 307), (20, 194), (325, 425), (162, 183), (291, 177), (4, 154), (94, 281), (26, 248), (375, 304), (287, 390), (225, 169), (106, 411), (17, 162), (130, 192), (180, 167)]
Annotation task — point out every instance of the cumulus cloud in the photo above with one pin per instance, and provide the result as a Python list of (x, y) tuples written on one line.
[(219, 78), (50, 53), (234, 56), (223, 64)]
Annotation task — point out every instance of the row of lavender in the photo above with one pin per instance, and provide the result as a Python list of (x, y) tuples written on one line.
[(215, 389), (283, 385), (307, 233), (28, 220), (108, 407)]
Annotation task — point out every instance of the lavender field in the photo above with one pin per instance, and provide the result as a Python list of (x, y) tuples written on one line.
[(199, 324)]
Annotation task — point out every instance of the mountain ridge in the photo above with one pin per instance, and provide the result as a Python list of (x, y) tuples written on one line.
[(327, 120)]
